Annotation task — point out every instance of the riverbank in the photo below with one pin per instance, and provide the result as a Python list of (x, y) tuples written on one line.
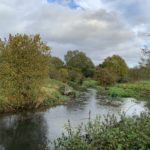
[(53, 93), (128, 133), (56, 93), (139, 90), (33, 130)]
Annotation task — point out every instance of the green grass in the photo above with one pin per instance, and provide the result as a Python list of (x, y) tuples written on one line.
[(53, 93), (135, 89), (120, 92), (139, 90), (89, 83), (130, 133)]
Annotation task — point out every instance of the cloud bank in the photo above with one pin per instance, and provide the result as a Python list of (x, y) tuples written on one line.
[(97, 27)]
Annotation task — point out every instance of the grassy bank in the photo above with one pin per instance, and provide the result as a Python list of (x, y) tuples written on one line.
[(90, 83), (139, 90), (53, 93), (57, 92), (129, 133)]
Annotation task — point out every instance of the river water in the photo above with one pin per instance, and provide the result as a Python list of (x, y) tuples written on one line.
[(32, 131)]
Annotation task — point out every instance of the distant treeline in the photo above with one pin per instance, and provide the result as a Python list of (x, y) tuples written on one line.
[(78, 66)]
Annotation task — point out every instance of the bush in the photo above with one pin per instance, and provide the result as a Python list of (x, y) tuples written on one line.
[(21, 76), (75, 75), (104, 76), (89, 83), (126, 134), (64, 75), (117, 66), (119, 92), (52, 93)]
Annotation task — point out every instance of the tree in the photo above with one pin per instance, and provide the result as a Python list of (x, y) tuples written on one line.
[(104, 76), (57, 69), (55, 65), (145, 63), (146, 57), (75, 75), (134, 74), (64, 75), (79, 60), (24, 67), (57, 62), (116, 65)]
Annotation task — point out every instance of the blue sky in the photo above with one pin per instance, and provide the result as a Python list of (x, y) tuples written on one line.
[(99, 28), (70, 3)]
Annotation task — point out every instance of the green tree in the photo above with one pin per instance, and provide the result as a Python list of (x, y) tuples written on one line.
[(57, 69), (54, 72), (64, 75), (116, 65), (145, 63), (104, 76), (134, 74), (57, 62), (23, 68), (75, 75), (79, 60)]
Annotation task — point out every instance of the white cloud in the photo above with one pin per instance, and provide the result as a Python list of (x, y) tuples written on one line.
[(96, 29), (90, 4)]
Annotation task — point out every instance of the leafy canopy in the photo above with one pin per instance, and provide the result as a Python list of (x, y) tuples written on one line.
[(23, 68), (56, 62), (117, 65), (77, 59)]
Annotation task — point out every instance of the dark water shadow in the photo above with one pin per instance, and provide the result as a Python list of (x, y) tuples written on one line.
[(23, 132)]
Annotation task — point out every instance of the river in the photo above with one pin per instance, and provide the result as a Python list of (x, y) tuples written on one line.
[(32, 131)]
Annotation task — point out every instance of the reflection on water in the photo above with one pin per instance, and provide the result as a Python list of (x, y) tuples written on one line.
[(23, 133), (33, 130)]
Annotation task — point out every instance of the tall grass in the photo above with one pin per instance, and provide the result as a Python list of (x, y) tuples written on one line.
[(53, 93)]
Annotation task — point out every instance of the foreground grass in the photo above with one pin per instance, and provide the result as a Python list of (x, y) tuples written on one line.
[(139, 90), (127, 134)]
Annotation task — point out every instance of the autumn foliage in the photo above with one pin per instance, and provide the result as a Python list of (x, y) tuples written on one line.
[(23, 68)]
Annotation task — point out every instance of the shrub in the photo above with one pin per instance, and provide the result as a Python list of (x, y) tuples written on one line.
[(110, 134), (104, 76), (53, 93), (119, 92), (75, 75), (89, 83), (116, 65), (23, 69)]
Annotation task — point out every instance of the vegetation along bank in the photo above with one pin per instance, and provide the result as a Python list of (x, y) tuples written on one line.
[(45, 81)]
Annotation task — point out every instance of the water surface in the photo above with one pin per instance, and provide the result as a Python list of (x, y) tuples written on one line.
[(32, 131)]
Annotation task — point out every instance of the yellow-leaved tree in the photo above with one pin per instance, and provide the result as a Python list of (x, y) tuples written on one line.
[(23, 68)]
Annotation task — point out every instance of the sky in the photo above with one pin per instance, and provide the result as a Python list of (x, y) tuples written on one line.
[(100, 28)]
